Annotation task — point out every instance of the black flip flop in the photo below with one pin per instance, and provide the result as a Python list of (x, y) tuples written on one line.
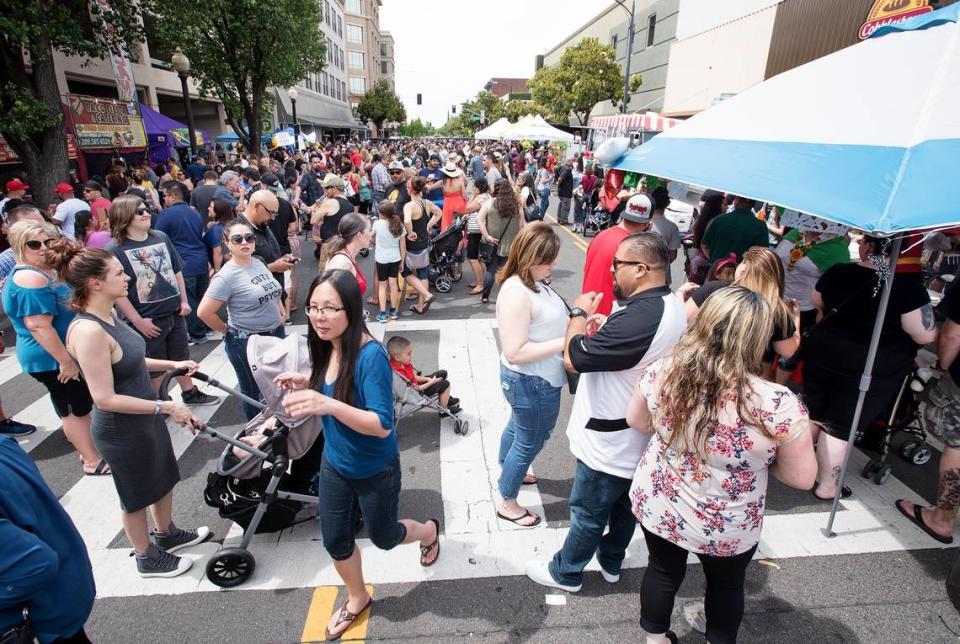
[(346, 617), (425, 550), (99, 470), (426, 305), (917, 519), (516, 520), (845, 493)]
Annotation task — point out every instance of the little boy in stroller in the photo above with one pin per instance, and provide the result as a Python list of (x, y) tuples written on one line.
[(434, 384)]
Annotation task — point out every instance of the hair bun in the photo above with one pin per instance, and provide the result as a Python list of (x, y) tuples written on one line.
[(61, 252)]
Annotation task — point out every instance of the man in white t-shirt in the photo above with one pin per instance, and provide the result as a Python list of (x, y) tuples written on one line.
[(610, 354), (66, 213)]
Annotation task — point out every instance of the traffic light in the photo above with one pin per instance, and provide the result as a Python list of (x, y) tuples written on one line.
[(453, 109), (419, 99)]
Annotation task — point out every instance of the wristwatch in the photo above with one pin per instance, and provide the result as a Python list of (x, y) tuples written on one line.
[(577, 311)]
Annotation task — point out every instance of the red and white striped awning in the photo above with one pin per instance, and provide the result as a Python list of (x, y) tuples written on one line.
[(650, 122)]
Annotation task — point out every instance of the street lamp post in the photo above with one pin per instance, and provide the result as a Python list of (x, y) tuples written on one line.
[(182, 65), (626, 69), (292, 93)]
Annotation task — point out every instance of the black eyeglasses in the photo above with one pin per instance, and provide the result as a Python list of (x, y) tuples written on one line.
[(396, 172), (324, 311), (36, 244), (272, 213), (237, 239), (617, 263)]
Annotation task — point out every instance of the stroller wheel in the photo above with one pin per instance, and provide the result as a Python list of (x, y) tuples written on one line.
[(921, 456), (230, 567), (461, 427), (882, 474), (870, 468), (443, 284)]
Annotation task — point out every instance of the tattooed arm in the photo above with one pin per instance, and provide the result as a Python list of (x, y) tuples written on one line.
[(920, 325)]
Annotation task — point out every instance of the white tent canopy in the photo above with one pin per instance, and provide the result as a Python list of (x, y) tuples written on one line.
[(535, 128), (493, 130)]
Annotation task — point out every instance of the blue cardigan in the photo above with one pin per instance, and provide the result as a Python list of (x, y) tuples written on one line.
[(43, 560)]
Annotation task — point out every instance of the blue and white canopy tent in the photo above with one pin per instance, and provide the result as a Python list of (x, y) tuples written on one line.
[(863, 137)]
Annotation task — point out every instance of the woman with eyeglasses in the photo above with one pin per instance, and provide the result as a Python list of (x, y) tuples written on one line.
[(36, 303), (351, 386), (254, 305)]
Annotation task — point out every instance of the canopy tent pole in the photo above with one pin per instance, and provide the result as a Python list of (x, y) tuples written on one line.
[(865, 380)]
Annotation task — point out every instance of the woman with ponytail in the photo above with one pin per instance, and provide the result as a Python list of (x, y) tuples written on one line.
[(390, 248), (36, 303), (128, 421), (353, 234)]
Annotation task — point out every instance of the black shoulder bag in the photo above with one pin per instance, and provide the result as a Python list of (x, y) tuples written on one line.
[(573, 377)]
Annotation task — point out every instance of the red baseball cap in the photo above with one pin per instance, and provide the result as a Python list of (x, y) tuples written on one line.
[(16, 184), (63, 187)]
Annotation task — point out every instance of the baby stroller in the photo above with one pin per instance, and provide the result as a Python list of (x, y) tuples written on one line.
[(408, 399), (906, 415), (597, 219), (245, 487), (446, 266)]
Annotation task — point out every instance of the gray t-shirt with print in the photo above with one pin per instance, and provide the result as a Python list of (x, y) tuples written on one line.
[(251, 294), (152, 265)]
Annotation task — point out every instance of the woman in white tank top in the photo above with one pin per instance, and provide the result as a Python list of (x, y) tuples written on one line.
[(531, 363)]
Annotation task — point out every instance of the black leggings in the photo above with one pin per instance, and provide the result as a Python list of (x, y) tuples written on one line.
[(666, 569), (491, 274)]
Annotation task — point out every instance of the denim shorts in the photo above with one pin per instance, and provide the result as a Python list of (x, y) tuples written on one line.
[(379, 497)]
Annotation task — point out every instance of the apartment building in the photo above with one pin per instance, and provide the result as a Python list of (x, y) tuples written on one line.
[(369, 51)]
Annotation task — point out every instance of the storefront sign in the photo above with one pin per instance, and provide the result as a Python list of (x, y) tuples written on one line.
[(7, 155), (891, 12), (181, 136), (103, 123)]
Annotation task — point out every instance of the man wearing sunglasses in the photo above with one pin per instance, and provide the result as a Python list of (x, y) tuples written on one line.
[(327, 215), (185, 227), (610, 353)]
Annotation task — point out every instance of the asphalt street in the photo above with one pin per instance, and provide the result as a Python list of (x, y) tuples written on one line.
[(879, 580)]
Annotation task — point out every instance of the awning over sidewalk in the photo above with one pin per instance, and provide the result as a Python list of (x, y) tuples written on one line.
[(651, 122)]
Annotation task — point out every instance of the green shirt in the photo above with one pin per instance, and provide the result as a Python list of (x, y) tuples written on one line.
[(735, 232)]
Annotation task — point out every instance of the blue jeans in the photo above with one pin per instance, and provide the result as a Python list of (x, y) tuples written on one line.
[(544, 202), (379, 500), (195, 286), (596, 500), (535, 405), (235, 346)]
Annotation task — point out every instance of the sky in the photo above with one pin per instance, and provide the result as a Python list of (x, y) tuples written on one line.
[(447, 50)]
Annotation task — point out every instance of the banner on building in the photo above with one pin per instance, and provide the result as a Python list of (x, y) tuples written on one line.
[(104, 123), (181, 136), (122, 70), (891, 12), (7, 155)]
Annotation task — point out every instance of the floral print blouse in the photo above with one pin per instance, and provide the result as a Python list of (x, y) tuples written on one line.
[(715, 505)]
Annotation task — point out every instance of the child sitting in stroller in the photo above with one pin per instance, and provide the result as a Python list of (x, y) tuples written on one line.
[(434, 384)]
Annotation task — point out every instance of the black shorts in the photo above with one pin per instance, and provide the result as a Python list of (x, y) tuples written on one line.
[(363, 207), (171, 344), (71, 397), (436, 388), (832, 400), (473, 245), (388, 271)]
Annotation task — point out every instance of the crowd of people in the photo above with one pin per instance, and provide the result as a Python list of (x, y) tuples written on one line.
[(685, 401)]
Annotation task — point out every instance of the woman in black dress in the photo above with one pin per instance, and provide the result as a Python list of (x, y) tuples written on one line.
[(128, 421)]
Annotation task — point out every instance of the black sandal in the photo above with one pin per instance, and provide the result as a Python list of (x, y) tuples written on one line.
[(102, 469), (517, 520), (426, 550), (917, 519), (345, 617), (845, 493)]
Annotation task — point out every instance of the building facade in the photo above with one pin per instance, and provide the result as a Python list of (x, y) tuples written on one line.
[(369, 51), (654, 28), (508, 88)]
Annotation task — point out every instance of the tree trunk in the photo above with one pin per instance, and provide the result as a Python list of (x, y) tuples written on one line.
[(44, 154), (253, 126)]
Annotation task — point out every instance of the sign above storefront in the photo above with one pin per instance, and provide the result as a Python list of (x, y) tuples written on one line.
[(891, 12), (104, 123)]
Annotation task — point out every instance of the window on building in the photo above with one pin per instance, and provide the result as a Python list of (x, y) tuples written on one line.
[(613, 41), (358, 85), (355, 59), (308, 82), (651, 28), (355, 34), (339, 26), (383, 50), (326, 84), (355, 6), (384, 68)]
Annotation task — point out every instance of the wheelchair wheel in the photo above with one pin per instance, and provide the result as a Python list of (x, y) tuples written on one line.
[(230, 567), (443, 284)]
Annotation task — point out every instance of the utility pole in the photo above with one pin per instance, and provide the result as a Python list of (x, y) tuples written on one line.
[(626, 68)]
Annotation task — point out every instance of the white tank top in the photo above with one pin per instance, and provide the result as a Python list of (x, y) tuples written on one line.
[(548, 322)]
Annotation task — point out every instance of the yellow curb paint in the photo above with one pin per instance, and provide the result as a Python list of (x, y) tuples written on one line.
[(582, 245), (321, 608)]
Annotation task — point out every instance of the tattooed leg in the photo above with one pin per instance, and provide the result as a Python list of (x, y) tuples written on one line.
[(941, 518), (830, 452)]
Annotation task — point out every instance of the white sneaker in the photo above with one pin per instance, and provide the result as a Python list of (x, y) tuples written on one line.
[(609, 577), (214, 336), (539, 572)]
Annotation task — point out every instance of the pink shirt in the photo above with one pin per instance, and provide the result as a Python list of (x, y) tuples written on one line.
[(95, 206)]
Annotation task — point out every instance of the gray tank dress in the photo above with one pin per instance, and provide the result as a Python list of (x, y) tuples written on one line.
[(137, 447)]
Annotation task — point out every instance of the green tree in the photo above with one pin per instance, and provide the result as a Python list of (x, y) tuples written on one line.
[(456, 126), (381, 104), (515, 109), (486, 105), (238, 49), (31, 112), (416, 128), (587, 74)]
